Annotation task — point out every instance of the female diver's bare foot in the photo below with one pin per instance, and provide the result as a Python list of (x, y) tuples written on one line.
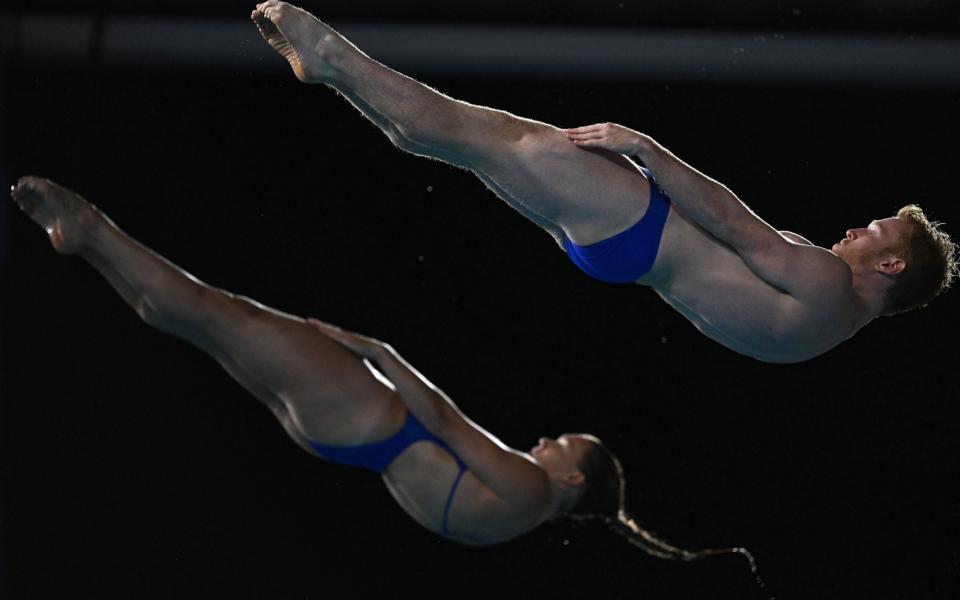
[(64, 214), (309, 45)]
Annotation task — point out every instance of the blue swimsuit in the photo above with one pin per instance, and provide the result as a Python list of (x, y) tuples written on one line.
[(378, 455), (630, 254)]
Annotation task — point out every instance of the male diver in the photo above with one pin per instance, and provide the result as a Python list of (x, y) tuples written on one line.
[(768, 294)]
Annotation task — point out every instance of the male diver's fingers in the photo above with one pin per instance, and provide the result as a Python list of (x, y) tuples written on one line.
[(587, 138), (584, 128), (585, 135)]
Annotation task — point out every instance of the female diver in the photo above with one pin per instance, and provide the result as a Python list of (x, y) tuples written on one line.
[(353, 400)]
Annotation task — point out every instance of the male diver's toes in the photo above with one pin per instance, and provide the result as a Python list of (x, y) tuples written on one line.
[(265, 25)]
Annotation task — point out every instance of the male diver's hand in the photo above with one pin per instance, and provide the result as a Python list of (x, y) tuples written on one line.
[(610, 136), (360, 345)]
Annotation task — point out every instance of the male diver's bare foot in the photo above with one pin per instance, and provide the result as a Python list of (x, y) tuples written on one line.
[(64, 214), (309, 45)]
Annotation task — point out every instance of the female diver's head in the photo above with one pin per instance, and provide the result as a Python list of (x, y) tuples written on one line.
[(585, 474), (561, 458), (596, 487)]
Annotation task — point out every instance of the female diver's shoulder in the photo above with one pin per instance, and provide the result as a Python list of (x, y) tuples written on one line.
[(796, 238)]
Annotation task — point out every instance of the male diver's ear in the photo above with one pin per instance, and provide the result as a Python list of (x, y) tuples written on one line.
[(891, 266)]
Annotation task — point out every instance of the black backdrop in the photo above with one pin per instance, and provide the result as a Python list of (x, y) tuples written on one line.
[(133, 466)]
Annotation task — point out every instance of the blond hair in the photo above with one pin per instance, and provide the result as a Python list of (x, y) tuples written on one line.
[(931, 263)]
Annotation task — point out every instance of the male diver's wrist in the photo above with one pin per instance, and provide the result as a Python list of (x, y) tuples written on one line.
[(642, 146)]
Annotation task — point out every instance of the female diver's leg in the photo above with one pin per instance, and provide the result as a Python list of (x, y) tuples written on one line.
[(316, 388), (589, 194)]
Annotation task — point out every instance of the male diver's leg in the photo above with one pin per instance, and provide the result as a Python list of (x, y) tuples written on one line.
[(414, 148), (589, 194), (312, 384)]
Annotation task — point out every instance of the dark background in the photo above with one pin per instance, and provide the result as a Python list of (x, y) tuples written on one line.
[(132, 466)]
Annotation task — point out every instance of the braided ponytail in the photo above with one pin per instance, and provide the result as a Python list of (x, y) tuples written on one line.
[(603, 499), (626, 526)]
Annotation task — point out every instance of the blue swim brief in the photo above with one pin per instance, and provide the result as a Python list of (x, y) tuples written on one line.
[(630, 254), (378, 455)]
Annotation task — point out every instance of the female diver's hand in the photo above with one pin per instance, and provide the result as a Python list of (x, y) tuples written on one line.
[(610, 136), (360, 345)]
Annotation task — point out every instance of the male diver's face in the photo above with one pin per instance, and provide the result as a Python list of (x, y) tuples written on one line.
[(873, 243)]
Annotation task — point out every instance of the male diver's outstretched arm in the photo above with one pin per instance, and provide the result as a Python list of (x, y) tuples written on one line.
[(508, 473), (802, 270)]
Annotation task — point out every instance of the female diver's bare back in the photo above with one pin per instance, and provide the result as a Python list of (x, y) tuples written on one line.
[(320, 391)]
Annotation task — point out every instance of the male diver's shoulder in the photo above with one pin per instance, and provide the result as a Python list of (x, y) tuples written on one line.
[(825, 263), (829, 275)]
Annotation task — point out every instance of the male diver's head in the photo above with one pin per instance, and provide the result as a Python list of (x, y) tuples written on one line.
[(908, 256)]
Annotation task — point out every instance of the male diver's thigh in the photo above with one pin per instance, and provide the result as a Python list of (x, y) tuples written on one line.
[(591, 195)]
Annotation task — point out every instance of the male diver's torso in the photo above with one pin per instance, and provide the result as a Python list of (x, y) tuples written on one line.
[(707, 282)]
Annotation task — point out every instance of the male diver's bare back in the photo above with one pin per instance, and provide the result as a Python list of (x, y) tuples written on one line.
[(707, 282)]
